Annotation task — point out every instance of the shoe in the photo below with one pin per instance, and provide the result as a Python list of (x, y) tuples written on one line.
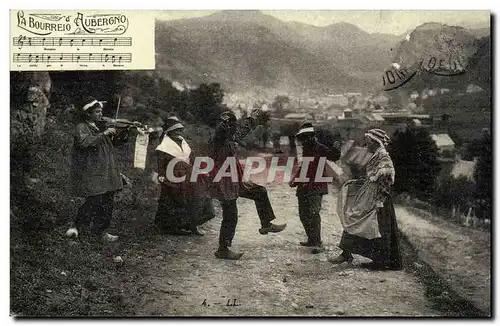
[(197, 231), (341, 259), (72, 232), (109, 237), (228, 254), (273, 228), (307, 243)]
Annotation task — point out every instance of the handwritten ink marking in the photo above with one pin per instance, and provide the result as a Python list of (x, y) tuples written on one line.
[(229, 303)]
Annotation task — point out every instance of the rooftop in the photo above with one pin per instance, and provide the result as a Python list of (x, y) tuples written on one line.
[(301, 116), (442, 140)]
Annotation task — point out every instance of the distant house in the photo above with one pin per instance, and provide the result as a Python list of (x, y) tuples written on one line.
[(349, 94), (464, 169), (444, 143), (299, 116), (347, 115), (411, 106), (336, 101), (381, 99)]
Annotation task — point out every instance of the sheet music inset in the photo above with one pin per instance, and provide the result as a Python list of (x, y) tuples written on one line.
[(82, 40)]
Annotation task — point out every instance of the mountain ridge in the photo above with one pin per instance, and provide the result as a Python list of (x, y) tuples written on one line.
[(250, 49)]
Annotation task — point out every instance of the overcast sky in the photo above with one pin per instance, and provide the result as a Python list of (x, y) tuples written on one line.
[(380, 21)]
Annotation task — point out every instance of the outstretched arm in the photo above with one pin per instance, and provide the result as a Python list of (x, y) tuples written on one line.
[(247, 125), (332, 154)]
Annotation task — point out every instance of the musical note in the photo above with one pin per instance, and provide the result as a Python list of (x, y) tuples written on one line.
[(67, 41), (72, 57)]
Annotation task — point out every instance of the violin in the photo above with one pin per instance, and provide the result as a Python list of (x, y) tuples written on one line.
[(120, 123)]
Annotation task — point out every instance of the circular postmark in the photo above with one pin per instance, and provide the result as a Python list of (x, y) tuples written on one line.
[(443, 51)]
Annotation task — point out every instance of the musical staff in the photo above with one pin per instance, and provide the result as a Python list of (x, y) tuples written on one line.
[(22, 41), (72, 57)]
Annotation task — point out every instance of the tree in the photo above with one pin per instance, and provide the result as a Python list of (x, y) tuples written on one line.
[(415, 157), (450, 192), (279, 103), (483, 172), (207, 103), (352, 101)]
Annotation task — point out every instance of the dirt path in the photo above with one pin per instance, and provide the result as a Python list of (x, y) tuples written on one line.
[(457, 254), (275, 276)]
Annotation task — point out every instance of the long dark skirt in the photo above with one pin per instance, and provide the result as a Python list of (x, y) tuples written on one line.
[(385, 250), (176, 211)]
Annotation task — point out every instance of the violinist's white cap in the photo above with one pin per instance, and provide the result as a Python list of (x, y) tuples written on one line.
[(92, 103)]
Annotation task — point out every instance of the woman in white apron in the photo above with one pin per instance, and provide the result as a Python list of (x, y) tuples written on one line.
[(369, 220), (182, 206)]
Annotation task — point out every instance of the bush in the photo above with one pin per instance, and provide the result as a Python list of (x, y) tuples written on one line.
[(415, 158), (450, 192)]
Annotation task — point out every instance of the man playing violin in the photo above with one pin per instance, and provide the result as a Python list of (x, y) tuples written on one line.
[(94, 170)]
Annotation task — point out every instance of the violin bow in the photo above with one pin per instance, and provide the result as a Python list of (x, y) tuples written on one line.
[(117, 111)]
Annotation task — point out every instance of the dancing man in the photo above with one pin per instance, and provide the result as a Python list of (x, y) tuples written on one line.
[(227, 191)]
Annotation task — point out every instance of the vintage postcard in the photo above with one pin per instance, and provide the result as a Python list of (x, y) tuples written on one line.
[(239, 163)]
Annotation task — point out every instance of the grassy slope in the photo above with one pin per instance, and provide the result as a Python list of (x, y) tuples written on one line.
[(52, 276)]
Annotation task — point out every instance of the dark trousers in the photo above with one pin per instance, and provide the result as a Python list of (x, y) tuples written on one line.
[(265, 211), (309, 208), (98, 210)]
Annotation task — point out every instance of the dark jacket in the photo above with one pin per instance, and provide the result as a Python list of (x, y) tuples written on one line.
[(223, 148), (94, 169), (316, 150)]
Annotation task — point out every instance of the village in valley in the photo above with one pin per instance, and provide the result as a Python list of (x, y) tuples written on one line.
[(349, 114)]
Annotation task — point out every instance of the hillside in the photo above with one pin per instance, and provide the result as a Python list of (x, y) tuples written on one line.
[(244, 49), (247, 50), (260, 58)]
